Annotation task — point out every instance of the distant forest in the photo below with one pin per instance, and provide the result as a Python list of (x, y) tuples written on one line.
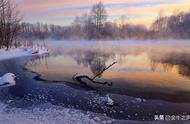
[(95, 26), (91, 26)]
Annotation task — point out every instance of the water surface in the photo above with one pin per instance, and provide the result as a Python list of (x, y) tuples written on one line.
[(151, 71)]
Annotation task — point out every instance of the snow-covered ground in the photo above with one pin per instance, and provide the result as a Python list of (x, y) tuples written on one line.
[(7, 80), (19, 52), (12, 53), (49, 114)]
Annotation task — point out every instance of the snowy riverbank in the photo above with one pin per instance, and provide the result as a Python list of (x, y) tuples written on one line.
[(19, 52)]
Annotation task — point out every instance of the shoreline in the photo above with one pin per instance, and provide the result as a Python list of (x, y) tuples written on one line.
[(22, 52), (12, 53)]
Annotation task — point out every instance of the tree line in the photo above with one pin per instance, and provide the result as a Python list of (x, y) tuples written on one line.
[(90, 26), (176, 26), (95, 26), (9, 24)]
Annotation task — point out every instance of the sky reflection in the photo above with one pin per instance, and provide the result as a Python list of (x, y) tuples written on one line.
[(140, 69)]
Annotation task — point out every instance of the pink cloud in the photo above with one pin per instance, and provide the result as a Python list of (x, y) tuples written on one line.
[(48, 9)]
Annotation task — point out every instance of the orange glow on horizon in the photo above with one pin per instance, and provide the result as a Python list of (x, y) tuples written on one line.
[(63, 12)]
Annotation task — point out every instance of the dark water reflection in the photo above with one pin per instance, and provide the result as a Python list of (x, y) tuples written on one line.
[(152, 72), (180, 60), (95, 61)]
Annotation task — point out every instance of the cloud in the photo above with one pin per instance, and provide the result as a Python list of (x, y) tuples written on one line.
[(66, 10)]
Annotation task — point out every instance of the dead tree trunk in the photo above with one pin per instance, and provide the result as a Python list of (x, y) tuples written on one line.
[(81, 77)]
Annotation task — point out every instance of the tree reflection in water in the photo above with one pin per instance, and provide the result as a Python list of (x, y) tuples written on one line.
[(169, 60), (94, 60)]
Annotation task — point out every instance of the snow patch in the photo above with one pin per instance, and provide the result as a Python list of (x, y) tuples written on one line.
[(49, 114), (7, 80), (19, 52), (138, 100), (38, 50), (104, 101)]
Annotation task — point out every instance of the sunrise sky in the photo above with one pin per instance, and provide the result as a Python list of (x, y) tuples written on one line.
[(63, 12)]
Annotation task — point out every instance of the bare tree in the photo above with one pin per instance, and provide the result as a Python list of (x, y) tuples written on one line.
[(9, 24), (3, 6), (99, 16)]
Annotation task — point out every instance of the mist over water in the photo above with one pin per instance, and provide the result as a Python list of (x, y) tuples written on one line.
[(149, 66)]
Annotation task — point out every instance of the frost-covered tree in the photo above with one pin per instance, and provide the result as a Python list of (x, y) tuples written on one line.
[(98, 16), (9, 24)]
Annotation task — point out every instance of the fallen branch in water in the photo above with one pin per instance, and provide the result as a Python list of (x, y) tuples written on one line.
[(79, 78), (104, 70)]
